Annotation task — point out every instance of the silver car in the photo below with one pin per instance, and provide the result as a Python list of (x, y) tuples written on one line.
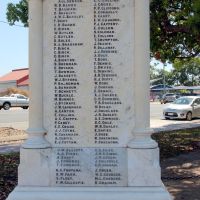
[(183, 108)]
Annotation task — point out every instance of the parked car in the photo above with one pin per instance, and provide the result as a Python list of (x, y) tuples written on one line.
[(15, 100), (169, 97), (183, 108), (188, 94)]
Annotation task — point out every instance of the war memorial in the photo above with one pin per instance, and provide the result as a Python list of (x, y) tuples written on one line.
[(89, 130)]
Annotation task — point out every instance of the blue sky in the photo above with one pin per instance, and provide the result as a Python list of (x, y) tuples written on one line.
[(13, 43), (159, 65)]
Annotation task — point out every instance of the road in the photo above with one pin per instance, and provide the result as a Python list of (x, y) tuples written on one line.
[(15, 117), (158, 123), (19, 115), (156, 110), (18, 118)]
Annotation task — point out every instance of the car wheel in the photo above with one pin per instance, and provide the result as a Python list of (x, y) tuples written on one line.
[(167, 118), (189, 116), (25, 107), (6, 106)]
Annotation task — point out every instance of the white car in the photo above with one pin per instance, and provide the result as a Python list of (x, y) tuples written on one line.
[(15, 100), (183, 108)]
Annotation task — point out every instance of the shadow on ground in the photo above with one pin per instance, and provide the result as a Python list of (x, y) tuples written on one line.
[(184, 176)]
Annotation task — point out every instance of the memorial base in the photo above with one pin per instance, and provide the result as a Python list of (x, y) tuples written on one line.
[(89, 193)]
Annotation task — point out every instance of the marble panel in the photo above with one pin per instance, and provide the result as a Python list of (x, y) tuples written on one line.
[(88, 72)]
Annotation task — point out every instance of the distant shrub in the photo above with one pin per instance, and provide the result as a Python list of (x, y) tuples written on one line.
[(3, 93), (10, 91)]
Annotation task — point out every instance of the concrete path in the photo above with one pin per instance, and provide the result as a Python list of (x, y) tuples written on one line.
[(9, 148), (161, 125)]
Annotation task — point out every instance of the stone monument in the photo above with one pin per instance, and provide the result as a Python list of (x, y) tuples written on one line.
[(89, 132)]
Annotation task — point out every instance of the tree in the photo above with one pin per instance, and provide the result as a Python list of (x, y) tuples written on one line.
[(187, 72), (153, 72), (18, 12), (175, 26), (157, 76)]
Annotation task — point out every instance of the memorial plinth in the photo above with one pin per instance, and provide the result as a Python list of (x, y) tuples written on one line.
[(89, 135)]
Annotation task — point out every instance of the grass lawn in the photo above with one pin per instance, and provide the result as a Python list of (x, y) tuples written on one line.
[(171, 144), (176, 142), (8, 173)]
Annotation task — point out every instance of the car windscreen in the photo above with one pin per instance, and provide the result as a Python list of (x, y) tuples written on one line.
[(183, 101)]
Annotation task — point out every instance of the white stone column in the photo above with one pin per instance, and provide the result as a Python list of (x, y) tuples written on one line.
[(142, 129), (36, 131)]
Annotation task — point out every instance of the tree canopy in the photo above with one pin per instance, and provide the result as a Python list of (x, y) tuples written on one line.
[(175, 27), (18, 12), (184, 73), (187, 73)]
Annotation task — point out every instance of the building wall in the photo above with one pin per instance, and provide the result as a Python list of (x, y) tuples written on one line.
[(26, 87), (7, 84)]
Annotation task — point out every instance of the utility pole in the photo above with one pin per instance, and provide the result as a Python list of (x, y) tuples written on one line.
[(164, 81)]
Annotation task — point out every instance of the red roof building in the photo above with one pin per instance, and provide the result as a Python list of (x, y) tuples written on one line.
[(16, 78)]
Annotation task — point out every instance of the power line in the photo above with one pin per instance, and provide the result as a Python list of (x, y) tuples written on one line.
[(9, 24)]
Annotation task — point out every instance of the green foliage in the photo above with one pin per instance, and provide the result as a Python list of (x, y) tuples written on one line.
[(175, 29), (187, 72), (18, 12), (159, 74), (153, 72)]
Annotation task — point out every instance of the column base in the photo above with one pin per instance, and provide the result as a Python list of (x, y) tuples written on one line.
[(89, 193), (36, 139), (142, 140)]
